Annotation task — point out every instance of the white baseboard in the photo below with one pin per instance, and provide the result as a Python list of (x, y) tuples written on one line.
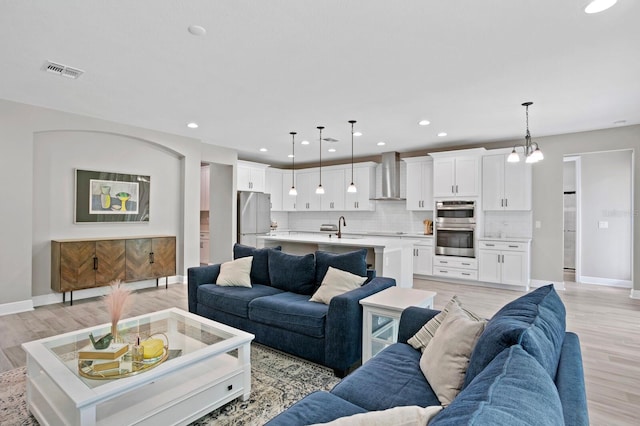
[(558, 285), (51, 298), (15, 307), (604, 281), (635, 294)]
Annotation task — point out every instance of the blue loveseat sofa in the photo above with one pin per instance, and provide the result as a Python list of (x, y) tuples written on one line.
[(277, 310), (524, 370)]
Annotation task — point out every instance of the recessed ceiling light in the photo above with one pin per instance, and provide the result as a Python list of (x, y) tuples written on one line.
[(197, 30), (331, 150), (442, 134), (305, 142), (381, 143), (424, 122), (263, 149), (192, 125), (357, 133), (597, 6), (620, 122)]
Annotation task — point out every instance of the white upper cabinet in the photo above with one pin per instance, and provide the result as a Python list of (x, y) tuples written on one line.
[(419, 183), (288, 201), (273, 185), (457, 173), (250, 176), (306, 184), (364, 177), (505, 186), (334, 190)]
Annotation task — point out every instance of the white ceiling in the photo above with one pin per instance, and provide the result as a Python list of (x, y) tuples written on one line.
[(265, 68)]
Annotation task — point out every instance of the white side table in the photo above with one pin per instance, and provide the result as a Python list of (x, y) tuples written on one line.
[(381, 316)]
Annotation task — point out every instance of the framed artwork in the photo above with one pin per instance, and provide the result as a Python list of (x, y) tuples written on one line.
[(111, 197)]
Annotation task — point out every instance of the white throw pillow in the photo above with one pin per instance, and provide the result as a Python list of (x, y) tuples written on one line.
[(235, 273), (336, 282), (410, 415), (421, 339), (445, 360)]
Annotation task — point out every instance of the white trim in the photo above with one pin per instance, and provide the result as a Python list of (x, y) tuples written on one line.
[(635, 294), (52, 298), (604, 281), (558, 285), (15, 307)]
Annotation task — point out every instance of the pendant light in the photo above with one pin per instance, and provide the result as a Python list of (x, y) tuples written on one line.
[(352, 187), (532, 155), (320, 189), (293, 190)]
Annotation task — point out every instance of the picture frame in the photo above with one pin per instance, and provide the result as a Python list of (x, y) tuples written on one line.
[(111, 197)]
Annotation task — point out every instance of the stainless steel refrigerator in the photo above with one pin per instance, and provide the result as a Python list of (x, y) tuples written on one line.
[(254, 216)]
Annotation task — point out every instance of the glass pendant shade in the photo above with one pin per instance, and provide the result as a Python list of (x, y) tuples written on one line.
[(320, 190), (352, 188), (513, 157), (293, 191)]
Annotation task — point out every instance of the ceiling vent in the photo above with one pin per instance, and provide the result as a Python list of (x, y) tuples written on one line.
[(62, 70)]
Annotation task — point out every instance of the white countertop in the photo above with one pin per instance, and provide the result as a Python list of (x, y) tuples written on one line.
[(358, 233), (372, 241)]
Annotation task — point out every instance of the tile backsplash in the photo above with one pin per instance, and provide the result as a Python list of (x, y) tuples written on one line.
[(508, 224), (389, 216)]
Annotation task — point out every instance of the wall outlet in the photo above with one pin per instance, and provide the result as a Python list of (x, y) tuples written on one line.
[(538, 224), (603, 224)]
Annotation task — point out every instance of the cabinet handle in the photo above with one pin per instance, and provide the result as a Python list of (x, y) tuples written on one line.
[(95, 263), (453, 191), (444, 261), (489, 245), (456, 189), (444, 272), (151, 258), (466, 273), (506, 202), (513, 246), (229, 387), (466, 264), (501, 202)]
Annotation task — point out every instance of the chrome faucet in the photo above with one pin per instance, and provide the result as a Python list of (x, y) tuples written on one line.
[(341, 222)]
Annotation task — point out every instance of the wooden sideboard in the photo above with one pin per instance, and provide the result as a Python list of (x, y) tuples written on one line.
[(81, 264)]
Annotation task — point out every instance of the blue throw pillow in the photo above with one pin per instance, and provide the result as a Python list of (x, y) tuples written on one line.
[(536, 321), (293, 273), (354, 262), (260, 265), (512, 390)]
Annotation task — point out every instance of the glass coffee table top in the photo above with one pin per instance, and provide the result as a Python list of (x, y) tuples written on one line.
[(182, 336)]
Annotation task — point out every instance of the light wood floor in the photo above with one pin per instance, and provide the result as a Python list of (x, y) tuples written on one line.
[(606, 320)]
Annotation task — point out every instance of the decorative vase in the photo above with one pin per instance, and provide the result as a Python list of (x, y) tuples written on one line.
[(105, 197)]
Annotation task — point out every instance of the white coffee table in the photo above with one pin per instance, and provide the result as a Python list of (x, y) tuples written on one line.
[(381, 316), (212, 369)]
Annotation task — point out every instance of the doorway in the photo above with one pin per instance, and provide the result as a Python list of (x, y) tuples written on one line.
[(598, 220)]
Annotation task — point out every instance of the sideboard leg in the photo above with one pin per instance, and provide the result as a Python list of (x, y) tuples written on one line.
[(71, 298), (166, 282), (64, 296)]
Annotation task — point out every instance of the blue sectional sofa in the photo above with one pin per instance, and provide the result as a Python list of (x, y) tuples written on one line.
[(524, 370), (277, 310)]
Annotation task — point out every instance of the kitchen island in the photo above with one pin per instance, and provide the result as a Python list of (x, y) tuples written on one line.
[(390, 257)]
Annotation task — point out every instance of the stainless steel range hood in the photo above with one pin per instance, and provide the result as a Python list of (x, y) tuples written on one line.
[(390, 168)]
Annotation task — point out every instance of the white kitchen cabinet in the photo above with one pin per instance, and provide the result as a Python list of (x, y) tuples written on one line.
[(204, 188), (457, 173), (250, 176), (465, 268), (288, 201), (306, 184), (423, 258), (505, 186), (419, 183), (273, 186), (364, 176), (504, 262), (334, 190)]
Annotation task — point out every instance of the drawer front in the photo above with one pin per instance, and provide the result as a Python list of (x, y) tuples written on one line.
[(460, 274), (448, 262), (503, 245)]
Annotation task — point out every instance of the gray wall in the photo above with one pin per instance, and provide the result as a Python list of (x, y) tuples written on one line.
[(605, 193), (21, 248)]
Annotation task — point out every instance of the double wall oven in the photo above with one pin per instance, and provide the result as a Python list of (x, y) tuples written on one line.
[(455, 225)]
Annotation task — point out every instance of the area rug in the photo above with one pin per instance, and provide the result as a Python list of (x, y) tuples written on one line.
[(277, 381)]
